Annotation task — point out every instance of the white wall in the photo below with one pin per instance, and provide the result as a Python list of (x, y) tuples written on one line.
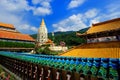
[(58, 48)]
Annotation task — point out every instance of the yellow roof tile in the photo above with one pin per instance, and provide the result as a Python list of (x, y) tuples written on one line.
[(95, 50), (105, 26)]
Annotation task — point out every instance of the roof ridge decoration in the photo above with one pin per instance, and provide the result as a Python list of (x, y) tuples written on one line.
[(109, 25), (105, 26), (107, 21)]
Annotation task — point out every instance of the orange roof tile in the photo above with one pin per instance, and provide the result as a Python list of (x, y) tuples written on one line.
[(7, 25), (15, 35), (49, 41)]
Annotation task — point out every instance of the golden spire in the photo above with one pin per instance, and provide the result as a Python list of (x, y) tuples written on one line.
[(42, 23)]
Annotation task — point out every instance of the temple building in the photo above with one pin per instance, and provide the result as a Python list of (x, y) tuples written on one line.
[(9, 33), (42, 36), (103, 32), (102, 41)]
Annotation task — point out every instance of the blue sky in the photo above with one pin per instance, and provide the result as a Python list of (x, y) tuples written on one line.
[(59, 15)]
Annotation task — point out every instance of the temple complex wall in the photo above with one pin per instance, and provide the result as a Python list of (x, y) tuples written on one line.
[(104, 39)]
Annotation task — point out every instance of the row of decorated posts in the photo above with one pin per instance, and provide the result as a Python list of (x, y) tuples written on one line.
[(32, 71)]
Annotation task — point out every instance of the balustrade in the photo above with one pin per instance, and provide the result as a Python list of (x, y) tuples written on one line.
[(43, 67)]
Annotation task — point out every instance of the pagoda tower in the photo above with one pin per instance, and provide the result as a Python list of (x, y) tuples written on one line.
[(42, 36)]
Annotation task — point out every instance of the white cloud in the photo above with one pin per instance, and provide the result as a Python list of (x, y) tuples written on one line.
[(76, 22), (91, 13), (18, 22), (34, 29), (10, 18), (75, 3), (40, 1), (114, 6), (94, 21), (26, 28), (36, 1), (13, 12), (112, 15), (111, 11), (46, 4), (14, 5), (72, 23), (42, 11)]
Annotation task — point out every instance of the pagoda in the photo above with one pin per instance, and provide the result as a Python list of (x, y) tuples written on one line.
[(42, 36)]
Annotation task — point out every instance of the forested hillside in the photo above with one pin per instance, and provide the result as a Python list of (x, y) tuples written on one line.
[(68, 37)]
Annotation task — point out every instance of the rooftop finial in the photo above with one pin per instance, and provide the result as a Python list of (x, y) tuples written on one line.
[(42, 23)]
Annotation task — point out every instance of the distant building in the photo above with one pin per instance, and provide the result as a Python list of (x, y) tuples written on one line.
[(42, 36), (9, 33)]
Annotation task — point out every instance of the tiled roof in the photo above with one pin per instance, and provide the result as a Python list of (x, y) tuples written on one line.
[(15, 35), (95, 50), (49, 42), (7, 25), (105, 26)]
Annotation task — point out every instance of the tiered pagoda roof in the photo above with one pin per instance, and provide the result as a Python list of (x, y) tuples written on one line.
[(13, 35)]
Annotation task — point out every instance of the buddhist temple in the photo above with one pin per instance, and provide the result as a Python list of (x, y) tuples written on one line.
[(97, 59), (102, 32), (102, 41), (9, 33)]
